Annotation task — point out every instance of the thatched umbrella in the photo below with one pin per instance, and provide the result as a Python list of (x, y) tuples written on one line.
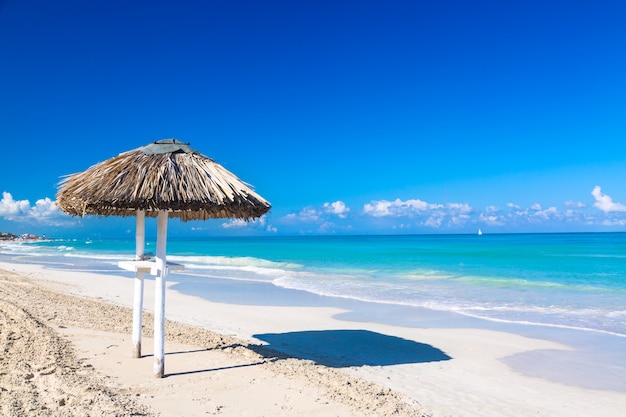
[(163, 179)]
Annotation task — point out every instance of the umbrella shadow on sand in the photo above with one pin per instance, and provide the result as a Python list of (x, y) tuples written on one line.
[(345, 348)]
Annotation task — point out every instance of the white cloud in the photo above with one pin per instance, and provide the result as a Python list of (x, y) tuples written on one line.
[(605, 202), (378, 208), (418, 205), (614, 222), (322, 216), (578, 216), (240, 223), (574, 204), (491, 219), (547, 213), (44, 211), (307, 214), (415, 214), (520, 213), (437, 215), (434, 221), (534, 214), (338, 208), (9, 208), (235, 223), (398, 208), (459, 213), (459, 208)]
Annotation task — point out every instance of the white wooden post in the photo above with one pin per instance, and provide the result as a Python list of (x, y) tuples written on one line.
[(159, 296), (138, 295)]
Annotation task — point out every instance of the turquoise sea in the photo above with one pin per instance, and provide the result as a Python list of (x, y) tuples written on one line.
[(573, 280)]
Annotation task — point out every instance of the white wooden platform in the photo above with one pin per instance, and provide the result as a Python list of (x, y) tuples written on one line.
[(149, 267)]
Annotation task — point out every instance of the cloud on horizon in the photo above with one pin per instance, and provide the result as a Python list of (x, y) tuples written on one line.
[(45, 211), (312, 214), (338, 208), (259, 223), (411, 215), (434, 215)]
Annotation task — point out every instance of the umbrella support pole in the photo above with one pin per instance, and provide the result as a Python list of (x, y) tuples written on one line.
[(159, 296), (139, 284), (137, 312)]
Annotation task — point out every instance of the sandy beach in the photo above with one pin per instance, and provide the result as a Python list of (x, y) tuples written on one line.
[(65, 340)]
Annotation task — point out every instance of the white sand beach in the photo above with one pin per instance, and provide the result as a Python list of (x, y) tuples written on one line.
[(65, 339)]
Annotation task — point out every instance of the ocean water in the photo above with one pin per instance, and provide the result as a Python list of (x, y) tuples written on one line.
[(575, 280)]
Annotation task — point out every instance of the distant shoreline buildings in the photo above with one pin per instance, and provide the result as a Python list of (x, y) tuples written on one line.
[(22, 237)]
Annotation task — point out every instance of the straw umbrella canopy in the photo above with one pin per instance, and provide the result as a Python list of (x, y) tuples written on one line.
[(163, 179), (165, 175)]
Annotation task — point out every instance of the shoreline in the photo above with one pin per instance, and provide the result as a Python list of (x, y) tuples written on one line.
[(462, 370)]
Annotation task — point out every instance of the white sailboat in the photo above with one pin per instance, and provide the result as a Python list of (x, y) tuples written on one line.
[(480, 232)]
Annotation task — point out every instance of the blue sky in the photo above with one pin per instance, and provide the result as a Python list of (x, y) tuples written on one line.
[(348, 116)]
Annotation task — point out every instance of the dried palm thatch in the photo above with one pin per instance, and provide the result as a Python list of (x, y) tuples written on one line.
[(165, 175)]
